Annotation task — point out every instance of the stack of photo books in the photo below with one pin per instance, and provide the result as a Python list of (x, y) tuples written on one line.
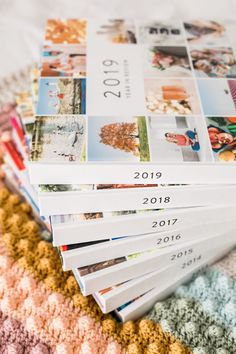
[(131, 153)]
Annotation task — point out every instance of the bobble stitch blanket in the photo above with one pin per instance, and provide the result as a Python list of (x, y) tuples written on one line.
[(43, 311)]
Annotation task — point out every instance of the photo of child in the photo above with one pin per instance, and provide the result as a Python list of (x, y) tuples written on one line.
[(175, 96), (117, 139), (71, 31), (61, 96), (175, 139), (222, 136), (116, 31), (214, 62), (59, 139), (63, 61), (159, 32), (206, 32), (189, 138), (167, 61)]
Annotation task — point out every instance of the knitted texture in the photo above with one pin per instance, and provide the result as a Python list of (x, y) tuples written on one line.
[(228, 265), (35, 291), (42, 305), (13, 334), (193, 324), (217, 294)]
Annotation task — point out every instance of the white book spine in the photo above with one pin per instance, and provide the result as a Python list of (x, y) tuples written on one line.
[(175, 173), (121, 294), (140, 223), (80, 257), (147, 301), (59, 203), (132, 268)]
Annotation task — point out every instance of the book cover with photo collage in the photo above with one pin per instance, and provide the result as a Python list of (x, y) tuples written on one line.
[(132, 91)]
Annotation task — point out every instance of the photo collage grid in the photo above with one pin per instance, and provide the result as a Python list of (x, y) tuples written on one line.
[(189, 73)]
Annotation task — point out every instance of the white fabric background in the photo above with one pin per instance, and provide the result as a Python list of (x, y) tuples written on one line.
[(22, 21)]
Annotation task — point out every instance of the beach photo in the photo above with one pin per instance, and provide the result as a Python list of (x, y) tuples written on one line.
[(70, 31), (206, 32), (222, 136), (58, 96), (63, 61), (118, 139), (118, 31), (218, 97), (165, 61), (160, 32), (59, 139), (171, 96), (213, 62), (175, 139)]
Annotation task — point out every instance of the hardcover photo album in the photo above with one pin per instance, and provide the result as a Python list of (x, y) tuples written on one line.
[(124, 145), (129, 96)]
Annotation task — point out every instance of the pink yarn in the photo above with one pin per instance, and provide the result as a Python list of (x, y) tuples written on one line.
[(66, 348), (14, 339), (49, 315)]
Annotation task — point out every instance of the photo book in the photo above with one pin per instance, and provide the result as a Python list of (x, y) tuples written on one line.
[(81, 254), (137, 101), (115, 296), (103, 275), (124, 146), (63, 199), (133, 309), (78, 228)]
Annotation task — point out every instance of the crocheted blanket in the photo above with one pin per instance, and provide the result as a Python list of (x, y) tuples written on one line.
[(43, 311)]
